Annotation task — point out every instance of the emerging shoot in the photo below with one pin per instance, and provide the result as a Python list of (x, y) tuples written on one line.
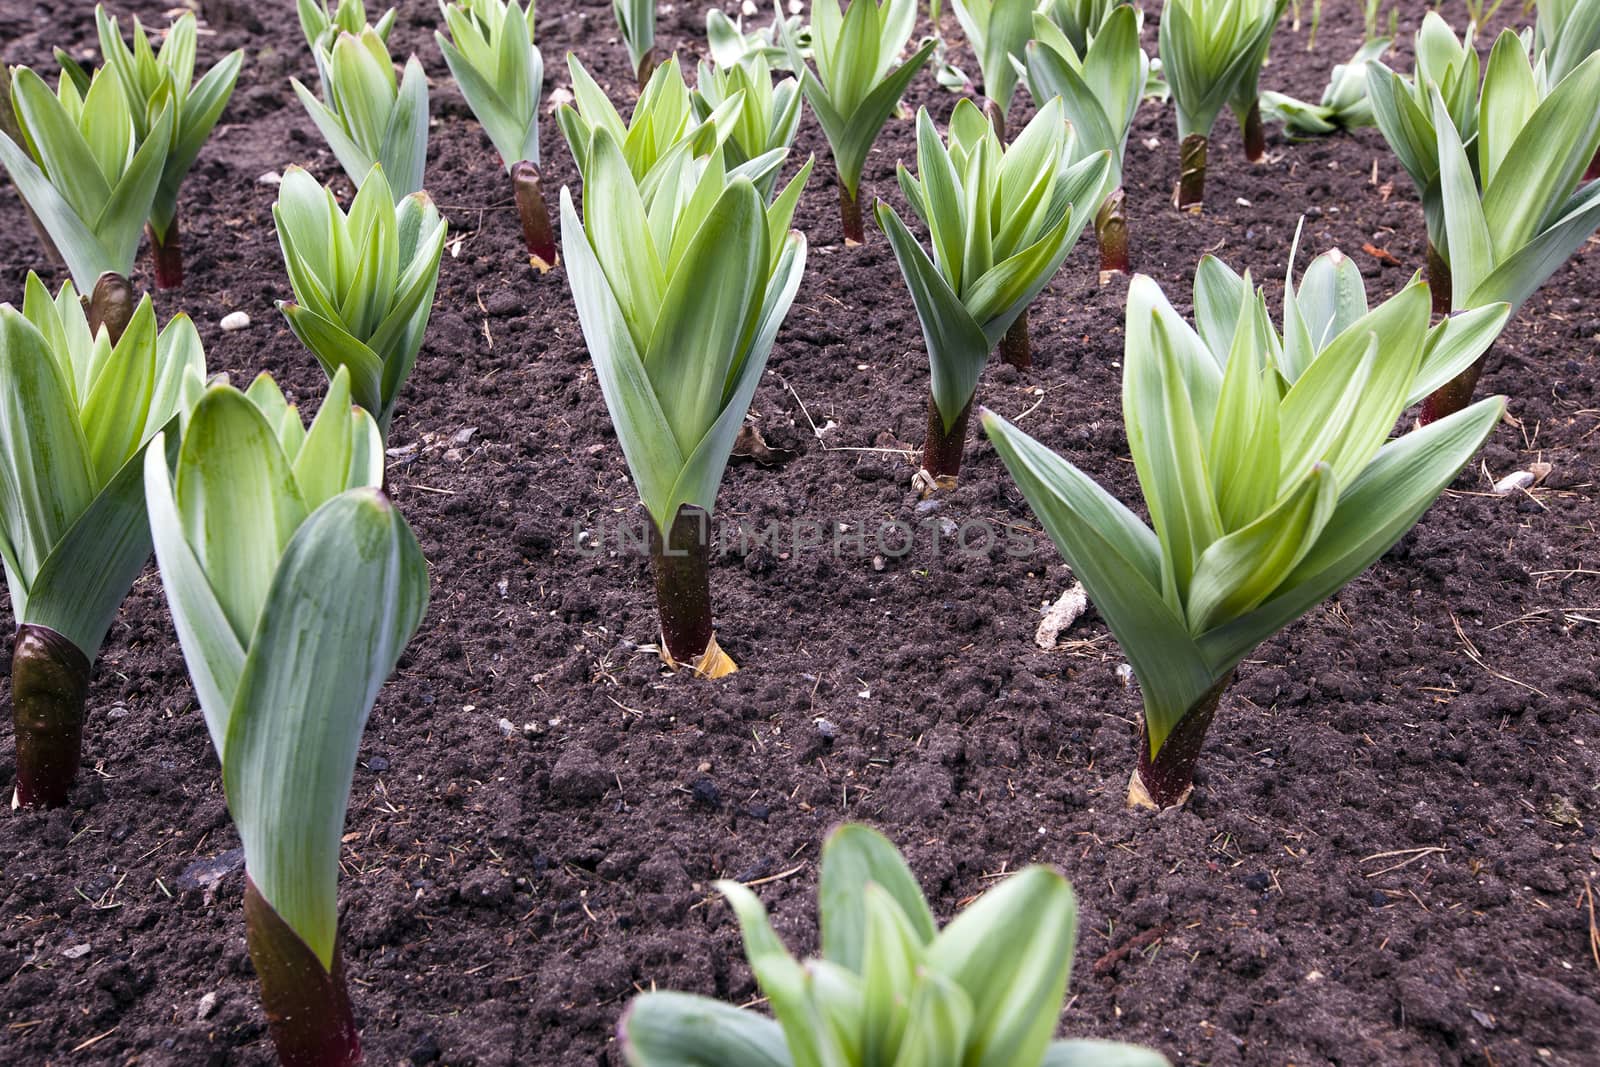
[(79, 412), (493, 58), (1001, 221), (363, 282), (366, 115), (1268, 473), (151, 81), (856, 85), (681, 284), (294, 586), (891, 989)]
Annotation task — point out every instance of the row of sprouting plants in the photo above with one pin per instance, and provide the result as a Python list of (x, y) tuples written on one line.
[(1262, 446)]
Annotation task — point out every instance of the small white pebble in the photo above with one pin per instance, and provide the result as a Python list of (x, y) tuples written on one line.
[(271, 177), (1513, 482), (234, 320), (1241, 201), (748, 8)]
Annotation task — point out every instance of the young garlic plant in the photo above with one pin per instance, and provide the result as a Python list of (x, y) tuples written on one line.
[(366, 115), (1100, 88), (1565, 33), (322, 25), (77, 413), (83, 171), (681, 284), (1344, 104), (1211, 53), (731, 45), (1515, 208), (636, 21), (495, 62), (891, 989), (1080, 20), (1267, 471), (150, 81), (997, 30), (767, 119), (664, 127), (363, 282), (1403, 112), (1001, 221), (856, 85), (294, 586)]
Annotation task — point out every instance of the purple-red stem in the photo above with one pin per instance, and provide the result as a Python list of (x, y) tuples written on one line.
[(1191, 192), (49, 684), (942, 448), (1168, 777), (167, 255), (1255, 133), (1015, 347), (682, 565), (307, 1005), (850, 218), (535, 215), (1111, 229)]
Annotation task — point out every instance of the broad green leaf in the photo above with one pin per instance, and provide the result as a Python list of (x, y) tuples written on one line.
[(940, 1024), (1088, 1052), (781, 978), (346, 597), (853, 856), (679, 1030)]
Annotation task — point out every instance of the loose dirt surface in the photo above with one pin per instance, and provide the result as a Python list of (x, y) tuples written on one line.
[(1387, 857)]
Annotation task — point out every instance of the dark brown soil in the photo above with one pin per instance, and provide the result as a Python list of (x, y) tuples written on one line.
[(1387, 857)]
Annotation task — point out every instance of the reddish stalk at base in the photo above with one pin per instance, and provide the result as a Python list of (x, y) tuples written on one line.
[(1255, 133), (543, 252), (1594, 169), (1439, 284), (1190, 195), (49, 684), (1111, 230), (682, 567), (1455, 394), (307, 1006), (997, 118), (647, 67), (1167, 779), (1015, 347), (110, 304), (166, 255), (942, 448), (850, 218)]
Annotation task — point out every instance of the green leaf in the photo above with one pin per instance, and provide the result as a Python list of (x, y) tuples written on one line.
[(957, 346), (1010, 951), (853, 856), (345, 599), (678, 1030), (781, 978), (940, 1025), (1118, 560), (238, 501), (1241, 570), (1374, 511), (891, 954), (1087, 1052)]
